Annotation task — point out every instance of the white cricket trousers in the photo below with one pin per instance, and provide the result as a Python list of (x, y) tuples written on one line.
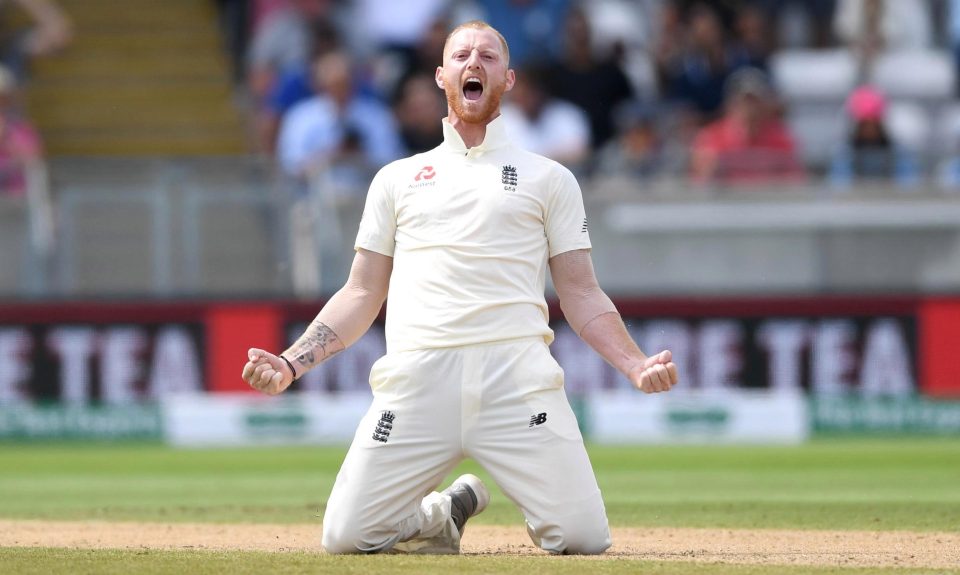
[(501, 404)]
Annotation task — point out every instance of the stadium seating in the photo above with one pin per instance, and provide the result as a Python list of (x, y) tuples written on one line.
[(149, 80), (814, 85)]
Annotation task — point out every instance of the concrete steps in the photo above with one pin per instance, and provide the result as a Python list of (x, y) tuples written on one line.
[(140, 78)]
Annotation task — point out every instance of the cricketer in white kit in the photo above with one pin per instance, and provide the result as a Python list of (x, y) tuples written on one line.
[(461, 238)]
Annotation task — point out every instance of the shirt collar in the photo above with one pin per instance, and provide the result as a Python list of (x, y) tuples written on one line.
[(495, 137)]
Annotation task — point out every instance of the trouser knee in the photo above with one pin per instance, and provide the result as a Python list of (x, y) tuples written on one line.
[(340, 541), (351, 538), (572, 537), (587, 543)]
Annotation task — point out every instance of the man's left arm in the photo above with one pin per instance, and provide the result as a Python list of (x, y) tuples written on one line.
[(595, 319)]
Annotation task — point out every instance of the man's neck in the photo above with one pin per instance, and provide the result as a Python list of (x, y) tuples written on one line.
[(471, 133)]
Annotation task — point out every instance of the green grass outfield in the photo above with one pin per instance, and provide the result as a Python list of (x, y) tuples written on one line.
[(46, 561), (892, 484)]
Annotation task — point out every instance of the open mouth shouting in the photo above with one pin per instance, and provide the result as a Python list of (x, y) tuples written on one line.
[(472, 89)]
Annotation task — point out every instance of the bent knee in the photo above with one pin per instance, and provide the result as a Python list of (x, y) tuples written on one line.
[(338, 544), (572, 538), (587, 543), (350, 539)]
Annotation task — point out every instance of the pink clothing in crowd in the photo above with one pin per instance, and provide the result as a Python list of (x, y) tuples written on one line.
[(19, 143)]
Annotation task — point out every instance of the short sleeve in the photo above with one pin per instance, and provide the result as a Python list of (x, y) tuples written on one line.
[(565, 219), (378, 225)]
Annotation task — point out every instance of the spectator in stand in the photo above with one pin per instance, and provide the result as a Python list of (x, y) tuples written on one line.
[(20, 146), (638, 149), (596, 86), (431, 43), (952, 34), (294, 85), (530, 26), (749, 144), (817, 18), (545, 125), (388, 25), (234, 29), (870, 152), (873, 26), (337, 128), (418, 109), (884, 24), (725, 10), (695, 78), (282, 41), (752, 32), (391, 69), (627, 31), (398, 39), (49, 31), (669, 45)]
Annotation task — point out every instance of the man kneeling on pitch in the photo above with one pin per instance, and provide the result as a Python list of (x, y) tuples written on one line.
[(462, 236)]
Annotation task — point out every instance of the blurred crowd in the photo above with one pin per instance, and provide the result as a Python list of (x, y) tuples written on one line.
[(29, 29), (723, 92)]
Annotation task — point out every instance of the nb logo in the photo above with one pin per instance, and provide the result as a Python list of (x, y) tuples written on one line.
[(538, 419), (384, 426)]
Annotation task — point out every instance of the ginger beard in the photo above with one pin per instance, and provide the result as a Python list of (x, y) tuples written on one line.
[(472, 105)]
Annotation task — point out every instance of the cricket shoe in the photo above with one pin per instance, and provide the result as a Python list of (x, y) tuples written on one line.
[(468, 497)]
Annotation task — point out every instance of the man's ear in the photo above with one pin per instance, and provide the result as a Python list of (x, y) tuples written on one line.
[(511, 80), (438, 77)]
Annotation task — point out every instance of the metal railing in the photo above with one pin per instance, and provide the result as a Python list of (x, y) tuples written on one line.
[(232, 228)]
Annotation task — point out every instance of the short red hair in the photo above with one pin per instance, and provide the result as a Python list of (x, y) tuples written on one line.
[(479, 25)]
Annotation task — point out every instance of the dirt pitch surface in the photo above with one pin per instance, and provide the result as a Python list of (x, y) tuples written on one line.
[(760, 546)]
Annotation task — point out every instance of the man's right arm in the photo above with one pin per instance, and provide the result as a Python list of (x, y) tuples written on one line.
[(341, 322)]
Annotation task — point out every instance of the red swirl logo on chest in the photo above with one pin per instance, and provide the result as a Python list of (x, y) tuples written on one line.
[(425, 173)]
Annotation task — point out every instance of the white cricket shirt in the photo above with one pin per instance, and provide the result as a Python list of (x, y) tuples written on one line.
[(470, 232)]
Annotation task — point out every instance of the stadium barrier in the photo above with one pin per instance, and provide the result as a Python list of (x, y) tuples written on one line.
[(121, 370)]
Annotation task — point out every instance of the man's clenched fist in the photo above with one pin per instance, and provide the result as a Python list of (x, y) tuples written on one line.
[(657, 373), (266, 372)]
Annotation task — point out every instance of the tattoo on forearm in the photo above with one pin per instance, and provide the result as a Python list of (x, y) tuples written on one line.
[(316, 344)]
